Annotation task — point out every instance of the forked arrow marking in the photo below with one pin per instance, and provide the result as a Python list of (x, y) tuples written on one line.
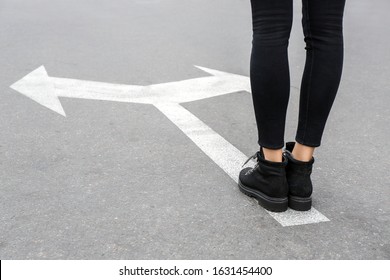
[(166, 97), (45, 90)]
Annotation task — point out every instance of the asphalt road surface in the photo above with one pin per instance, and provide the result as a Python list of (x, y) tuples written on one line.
[(118, 180)]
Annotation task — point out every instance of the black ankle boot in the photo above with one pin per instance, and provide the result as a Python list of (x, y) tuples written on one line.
[(299, 182), (266, 182)]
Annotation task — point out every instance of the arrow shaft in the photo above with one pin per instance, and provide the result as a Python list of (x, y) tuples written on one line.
[(175, 92), (224, 154), (73, 88), (200, 88)]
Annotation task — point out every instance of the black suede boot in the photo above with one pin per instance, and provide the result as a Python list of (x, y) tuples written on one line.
[(299, 182), (266, 182)]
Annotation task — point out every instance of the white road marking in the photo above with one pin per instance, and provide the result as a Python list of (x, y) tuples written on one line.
[(296, 218), (38, 86), (166, 97), (224, 154), (45, 90)]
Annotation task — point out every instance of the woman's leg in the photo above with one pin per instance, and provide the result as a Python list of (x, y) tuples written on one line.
[(303, 152), (323, 29), (269, 72)]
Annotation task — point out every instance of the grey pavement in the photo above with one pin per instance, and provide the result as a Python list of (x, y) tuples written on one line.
[(120, 181)]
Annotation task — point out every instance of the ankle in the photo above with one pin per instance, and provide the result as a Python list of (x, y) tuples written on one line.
[(273, 155), (302, 152)]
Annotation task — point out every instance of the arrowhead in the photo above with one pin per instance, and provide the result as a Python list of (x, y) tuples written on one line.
[(38, 86), (241, 82)]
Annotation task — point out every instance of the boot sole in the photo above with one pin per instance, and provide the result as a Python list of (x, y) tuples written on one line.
[(299, 203), (272, 204)]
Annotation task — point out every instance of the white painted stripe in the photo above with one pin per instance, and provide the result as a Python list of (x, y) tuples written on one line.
[(174, 92), (224, 154), (227, 157), (296, 218)]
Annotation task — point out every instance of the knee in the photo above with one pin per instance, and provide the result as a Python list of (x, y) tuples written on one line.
[(271, 29), (330, 33), (326, 31)]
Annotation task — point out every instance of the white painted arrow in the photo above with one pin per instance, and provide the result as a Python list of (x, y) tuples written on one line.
[(45, 90), (166, 97)]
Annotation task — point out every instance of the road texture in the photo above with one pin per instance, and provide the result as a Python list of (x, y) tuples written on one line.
[(121, 181)]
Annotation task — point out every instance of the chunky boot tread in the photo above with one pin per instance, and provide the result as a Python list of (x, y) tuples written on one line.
[(273, 204), (299, 203)]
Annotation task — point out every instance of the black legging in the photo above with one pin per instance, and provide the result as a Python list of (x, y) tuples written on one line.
[(269, 70)]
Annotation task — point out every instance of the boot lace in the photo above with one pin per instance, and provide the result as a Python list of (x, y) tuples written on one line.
[(255, 156)]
